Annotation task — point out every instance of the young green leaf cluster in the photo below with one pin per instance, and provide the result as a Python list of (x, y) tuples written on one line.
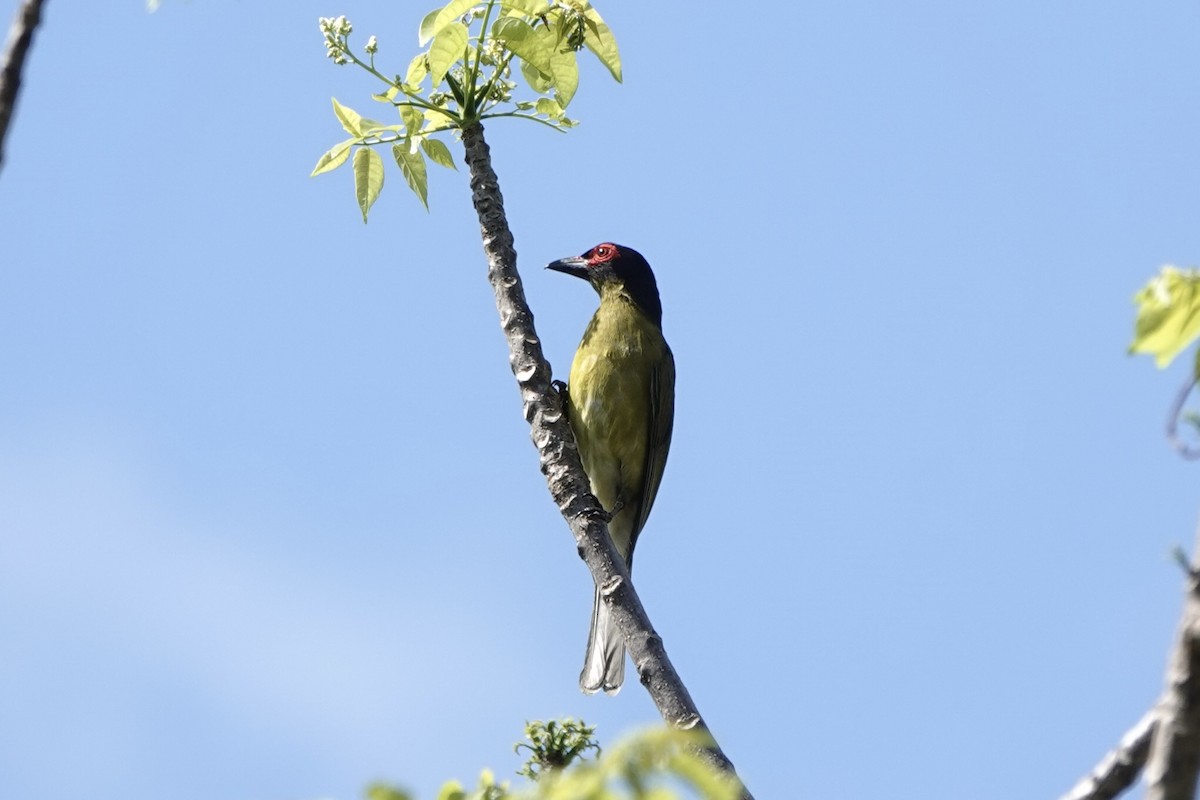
[(1168, 317), (1168, 322), (658, 764), (553, 746), (465, 75)]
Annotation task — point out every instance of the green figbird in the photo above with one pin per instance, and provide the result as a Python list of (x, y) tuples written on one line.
[(621, 405)]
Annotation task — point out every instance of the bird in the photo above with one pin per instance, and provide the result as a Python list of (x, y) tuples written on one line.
[(620, 403)]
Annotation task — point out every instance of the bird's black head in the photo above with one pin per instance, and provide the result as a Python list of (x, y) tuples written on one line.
[(612, 264)]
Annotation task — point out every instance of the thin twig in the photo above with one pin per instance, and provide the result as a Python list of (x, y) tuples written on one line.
[(1180, 446), (20, 38)]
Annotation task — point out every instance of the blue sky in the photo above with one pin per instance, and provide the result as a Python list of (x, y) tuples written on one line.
[(270, 523)]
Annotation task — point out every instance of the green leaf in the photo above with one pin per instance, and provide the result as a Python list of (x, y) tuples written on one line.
[(413, 119), (368, 178), (447, 48), (413, 167), (436, 119), (1168, 317), (435, 21), (537, 81), (528, 44), (438, 153), (349, 118), (418, 68), (387, 96), (333, 158), (599, 39), (549, 107), (530, 8), (368, 126), (381, 791), (451, 790), (566, 75)]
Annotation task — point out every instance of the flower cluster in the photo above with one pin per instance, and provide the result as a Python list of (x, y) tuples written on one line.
[(336, 30)]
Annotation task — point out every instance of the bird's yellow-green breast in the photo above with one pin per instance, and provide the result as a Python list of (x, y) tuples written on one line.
[(611, 407)]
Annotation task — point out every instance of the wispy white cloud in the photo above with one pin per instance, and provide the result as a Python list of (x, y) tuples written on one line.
[(156, 619)]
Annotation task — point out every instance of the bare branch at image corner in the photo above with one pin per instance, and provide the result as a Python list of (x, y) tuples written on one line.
[(16, 50), (1165, 743), (1118, 770), (1174, 764)]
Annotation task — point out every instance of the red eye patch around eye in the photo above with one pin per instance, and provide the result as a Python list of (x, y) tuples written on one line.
[(602, 253)]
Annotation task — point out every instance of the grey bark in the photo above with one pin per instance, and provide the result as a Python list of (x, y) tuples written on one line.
[(1120, 768), (559, 457), (1166, 741), (1175, 755), (20, 38)]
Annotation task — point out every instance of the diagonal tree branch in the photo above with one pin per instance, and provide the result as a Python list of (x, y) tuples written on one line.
[(20, 38), (1118, 770), (559, 457), (1175, 757), (1166, 741)]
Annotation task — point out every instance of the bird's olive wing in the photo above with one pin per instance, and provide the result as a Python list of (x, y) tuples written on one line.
[(662, 420)]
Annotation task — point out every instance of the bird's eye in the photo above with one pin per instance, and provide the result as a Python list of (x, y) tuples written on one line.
[(601, 251)]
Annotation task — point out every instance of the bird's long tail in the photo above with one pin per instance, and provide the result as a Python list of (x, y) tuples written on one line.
[(604, 664)]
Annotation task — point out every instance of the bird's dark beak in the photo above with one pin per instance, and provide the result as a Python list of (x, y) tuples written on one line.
[(576, 265)]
